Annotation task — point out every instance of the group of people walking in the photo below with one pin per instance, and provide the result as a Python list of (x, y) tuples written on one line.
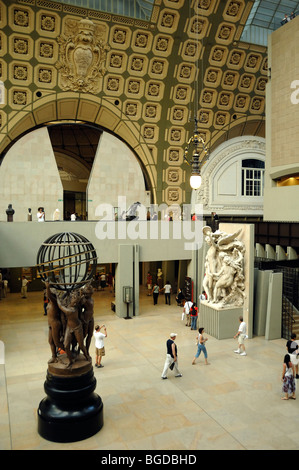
[(171, 362), (290, 362)]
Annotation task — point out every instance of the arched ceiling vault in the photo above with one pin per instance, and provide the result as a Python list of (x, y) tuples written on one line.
[(188, 59)]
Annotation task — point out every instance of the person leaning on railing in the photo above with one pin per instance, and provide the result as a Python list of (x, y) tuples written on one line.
[(288, 18)]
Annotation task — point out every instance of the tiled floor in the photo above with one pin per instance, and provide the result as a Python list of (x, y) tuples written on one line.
[(233, 403)]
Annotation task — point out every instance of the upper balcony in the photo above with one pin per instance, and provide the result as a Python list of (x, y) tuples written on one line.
[(265, 17)]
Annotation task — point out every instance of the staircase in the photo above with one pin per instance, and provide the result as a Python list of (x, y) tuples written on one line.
[(295, 325), (290, 318)]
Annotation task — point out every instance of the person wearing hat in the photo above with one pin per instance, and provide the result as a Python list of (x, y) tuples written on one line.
[(171, 360)]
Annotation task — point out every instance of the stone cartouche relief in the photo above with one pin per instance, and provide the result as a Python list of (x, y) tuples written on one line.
[(82, 55)]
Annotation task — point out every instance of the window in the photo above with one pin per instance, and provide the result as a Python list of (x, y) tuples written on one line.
[(253, 177), (141, 9)]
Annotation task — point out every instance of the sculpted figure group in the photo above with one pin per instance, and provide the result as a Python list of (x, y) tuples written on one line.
[(224, 268), (71, 322)]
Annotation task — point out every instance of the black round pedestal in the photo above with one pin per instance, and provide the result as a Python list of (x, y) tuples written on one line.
[(71, 411)]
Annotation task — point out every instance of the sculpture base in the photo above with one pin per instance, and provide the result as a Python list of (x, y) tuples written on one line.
[(219, 322), (71, 411)]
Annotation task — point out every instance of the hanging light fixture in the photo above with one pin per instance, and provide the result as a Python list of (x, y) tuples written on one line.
[(196, 161), (200, 153)]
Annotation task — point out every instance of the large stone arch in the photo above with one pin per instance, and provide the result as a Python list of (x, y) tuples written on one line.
[(104, 112), (63, 107)]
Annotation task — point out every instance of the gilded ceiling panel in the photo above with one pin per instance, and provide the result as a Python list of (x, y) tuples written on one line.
[(157, 75)]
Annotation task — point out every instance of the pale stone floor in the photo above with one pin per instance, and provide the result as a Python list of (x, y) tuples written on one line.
[(232, 404)]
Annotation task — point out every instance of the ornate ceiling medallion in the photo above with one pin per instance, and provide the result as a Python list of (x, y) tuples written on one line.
[(82, 55)]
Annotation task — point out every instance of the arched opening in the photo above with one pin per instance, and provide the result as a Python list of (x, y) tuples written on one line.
[(76, 157), (74, 147)]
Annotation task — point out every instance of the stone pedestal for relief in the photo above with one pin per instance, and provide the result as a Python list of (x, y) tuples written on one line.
[(221, 323)]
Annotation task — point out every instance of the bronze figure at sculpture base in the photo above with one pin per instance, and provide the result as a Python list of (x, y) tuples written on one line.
[(71, 411)]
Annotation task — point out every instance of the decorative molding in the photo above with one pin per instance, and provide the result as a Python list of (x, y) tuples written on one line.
[(239, 146)]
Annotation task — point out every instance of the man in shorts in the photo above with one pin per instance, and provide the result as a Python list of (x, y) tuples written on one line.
[(99, 343), (241, 335)]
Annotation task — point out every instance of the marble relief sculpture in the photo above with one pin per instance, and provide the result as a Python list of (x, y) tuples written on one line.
[(224, 268)]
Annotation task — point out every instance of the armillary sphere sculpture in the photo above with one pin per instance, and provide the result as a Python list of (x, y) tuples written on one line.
[(67, 261), (71, 411)]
